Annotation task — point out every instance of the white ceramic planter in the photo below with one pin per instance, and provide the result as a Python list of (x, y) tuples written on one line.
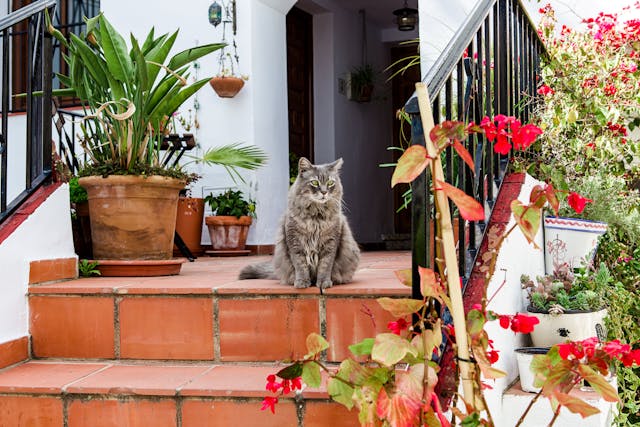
[(570, 241), (571, 325), (524, 356)]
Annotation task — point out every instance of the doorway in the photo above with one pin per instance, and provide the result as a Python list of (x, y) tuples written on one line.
[(300, 86)]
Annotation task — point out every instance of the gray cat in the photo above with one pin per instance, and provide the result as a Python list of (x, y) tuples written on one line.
[(314, 243)]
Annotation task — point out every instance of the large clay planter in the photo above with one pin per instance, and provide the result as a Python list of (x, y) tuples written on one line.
[(132, 217), (572, 325), (226, 87), (228, 233), (570, 241), (189, 223)]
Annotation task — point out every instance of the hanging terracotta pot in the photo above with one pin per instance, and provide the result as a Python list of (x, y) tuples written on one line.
[(227, 86)]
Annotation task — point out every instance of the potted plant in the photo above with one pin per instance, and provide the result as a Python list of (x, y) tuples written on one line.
[(570, 306), (230, 222), (361, 83), (129, 95)]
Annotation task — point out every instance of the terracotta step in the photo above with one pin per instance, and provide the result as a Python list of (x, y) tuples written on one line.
[(206, 314), (74, 394)]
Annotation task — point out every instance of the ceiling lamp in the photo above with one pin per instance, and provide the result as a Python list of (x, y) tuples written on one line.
[(406, 18)]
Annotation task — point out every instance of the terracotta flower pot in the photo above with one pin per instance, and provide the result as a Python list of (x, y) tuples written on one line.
[(228, 233), (189, 223), (226, 87), (132, 217)]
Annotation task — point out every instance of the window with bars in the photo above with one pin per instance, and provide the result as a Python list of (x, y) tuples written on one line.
[(68, 19)]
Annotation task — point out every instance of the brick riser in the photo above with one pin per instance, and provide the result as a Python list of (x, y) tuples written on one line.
[(206, 314)]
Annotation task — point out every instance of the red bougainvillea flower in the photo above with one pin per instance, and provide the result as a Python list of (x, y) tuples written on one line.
[(577, 202), (505, 321), (272, 385), (269, 403), (398, 326), (518, 323), (545, 90)]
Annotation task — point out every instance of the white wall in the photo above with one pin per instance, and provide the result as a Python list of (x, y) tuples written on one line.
[(516, 257), (46, 234)]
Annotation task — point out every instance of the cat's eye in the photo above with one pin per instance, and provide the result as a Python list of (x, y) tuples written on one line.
[(315, 183), (330, 183)]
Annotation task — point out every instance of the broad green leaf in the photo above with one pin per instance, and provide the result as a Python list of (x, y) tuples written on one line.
[(311, 374), (447, 131), (575, 405), (599, 384), (475, 322), (469, 208), (291, 371), (404, 276), (92, 62), (166, 88), (390, 349), (158, 54), (140, 66), (115, 51), (400, 307), (316, 344), (363, 348), (411, 164), (171, 105), (340, 392), (365, 399), (187, 56), (528, 219), (149, 41), (464, 155)]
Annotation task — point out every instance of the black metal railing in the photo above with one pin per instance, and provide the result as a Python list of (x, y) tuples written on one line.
[(67, 128), (33, 139), (490, 67)]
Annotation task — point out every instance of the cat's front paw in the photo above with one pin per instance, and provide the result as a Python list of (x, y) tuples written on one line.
[(301, 283), (325, 284)]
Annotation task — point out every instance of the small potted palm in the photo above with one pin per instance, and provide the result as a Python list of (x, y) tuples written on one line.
[(230, 221)]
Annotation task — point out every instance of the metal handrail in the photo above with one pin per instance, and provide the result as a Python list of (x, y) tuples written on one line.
[(25, 12)]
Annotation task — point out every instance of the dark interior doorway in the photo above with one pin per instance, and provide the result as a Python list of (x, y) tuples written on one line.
[(300, 85), (402, 87)]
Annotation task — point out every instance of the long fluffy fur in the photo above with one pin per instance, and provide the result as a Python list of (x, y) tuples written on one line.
[(314, 243)]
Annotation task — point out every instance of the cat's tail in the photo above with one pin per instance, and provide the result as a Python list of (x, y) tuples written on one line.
[(263, 270)]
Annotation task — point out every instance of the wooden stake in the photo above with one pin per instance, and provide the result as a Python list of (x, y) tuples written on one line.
[(449, 248)]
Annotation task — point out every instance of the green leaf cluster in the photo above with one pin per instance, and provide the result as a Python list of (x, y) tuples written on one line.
[(231, 203)]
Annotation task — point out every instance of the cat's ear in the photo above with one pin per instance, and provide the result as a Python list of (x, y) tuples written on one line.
[(337, 165), (304, 164)]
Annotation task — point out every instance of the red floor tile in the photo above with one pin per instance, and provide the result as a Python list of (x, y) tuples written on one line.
[(324, 414), (27, 411), (166, 328), (72, 326), (44, 377), (118, 413), (231, 381), (14, 351), (225, 413)]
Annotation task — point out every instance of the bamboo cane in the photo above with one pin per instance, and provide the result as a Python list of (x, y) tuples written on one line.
[(449, 249)]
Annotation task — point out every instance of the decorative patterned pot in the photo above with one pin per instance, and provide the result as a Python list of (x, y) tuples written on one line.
[(228, 233), (226, 87), (570, 240), (572, 325), (132, 217)]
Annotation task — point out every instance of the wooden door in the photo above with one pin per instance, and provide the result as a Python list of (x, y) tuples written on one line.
[(402, 87), (300, 85)]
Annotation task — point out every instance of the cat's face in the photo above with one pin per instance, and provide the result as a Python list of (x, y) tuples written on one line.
[(319, 183)]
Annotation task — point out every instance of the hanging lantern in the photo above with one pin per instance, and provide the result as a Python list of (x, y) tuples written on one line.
[(215, 14), (406, 18)]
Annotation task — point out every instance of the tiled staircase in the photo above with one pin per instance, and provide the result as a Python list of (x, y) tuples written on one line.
[(191, 350)]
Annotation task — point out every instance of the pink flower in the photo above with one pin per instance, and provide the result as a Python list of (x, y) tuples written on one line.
[(269, 403), (545, 90), (577, 202), (398, 326)]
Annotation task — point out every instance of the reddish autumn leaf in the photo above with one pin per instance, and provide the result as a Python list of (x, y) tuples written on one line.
[(447, 131), (552, 198), (464, 154), (528, 219), (599, 384), (429, 286), (575, 405), (402, 406), (469, 207), (404, 276), (411, 164), (400, 307), (538, 196), (316, 344)]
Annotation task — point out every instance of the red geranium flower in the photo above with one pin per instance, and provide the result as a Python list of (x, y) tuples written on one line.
[(398, 326), (269, 403), (577, 202)]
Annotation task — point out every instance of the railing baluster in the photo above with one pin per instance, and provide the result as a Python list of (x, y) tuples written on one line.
[(4, 143)]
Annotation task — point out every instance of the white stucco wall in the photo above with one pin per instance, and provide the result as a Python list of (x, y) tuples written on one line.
[(46, 234), (516, 257)]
